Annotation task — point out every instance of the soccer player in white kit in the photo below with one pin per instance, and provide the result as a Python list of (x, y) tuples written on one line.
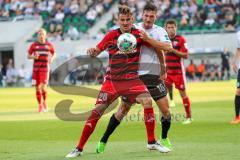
[(152, 73), (236, 68)]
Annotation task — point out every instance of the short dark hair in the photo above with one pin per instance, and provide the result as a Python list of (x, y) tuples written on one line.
[(150, 7), (171, 21), (125, 10)]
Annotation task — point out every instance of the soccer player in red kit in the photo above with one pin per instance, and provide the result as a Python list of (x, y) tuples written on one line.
[(175, 67), (42, 53), (121, 78)]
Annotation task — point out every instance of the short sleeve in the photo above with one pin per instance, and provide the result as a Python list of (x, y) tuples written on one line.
[(184, 46), (52, 49), (31, 49), (163, 36), (104, 43), (238, 39)]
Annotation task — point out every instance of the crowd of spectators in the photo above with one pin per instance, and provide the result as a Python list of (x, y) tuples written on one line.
[(191, 14), (10, 76), (62, 18)]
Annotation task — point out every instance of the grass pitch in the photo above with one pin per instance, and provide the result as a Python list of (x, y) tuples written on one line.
[(27, 135)]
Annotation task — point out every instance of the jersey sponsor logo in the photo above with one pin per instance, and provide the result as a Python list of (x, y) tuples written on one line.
[(130, 52), (41, 52)]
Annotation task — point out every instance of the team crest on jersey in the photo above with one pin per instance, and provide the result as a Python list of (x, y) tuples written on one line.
[(46, 46), (175, 43)]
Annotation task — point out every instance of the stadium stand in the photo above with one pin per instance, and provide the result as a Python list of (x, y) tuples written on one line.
[(72, 20), (60, 18), (193, 16)]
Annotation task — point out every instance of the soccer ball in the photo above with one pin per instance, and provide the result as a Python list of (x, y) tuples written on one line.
[(126, 42)]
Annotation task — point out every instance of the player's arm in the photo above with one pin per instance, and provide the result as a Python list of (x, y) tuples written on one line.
[(158, 45), (31, 54), (32, 57), (101, 46), (53, 57), (53, 53), (160, 54), (179, 53)]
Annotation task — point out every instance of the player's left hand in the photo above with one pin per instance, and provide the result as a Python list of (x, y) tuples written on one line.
[(143, 35)]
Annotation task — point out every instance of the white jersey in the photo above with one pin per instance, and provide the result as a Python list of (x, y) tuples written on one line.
[(149, 61), (238, 46), (238, 39)]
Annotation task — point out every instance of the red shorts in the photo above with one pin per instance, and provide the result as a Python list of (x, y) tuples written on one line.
[(40, 77), (111, 90), (177, 79)]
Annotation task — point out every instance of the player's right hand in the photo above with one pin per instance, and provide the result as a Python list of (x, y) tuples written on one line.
[(93, 52)]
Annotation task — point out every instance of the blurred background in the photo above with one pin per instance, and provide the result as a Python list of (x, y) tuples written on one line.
[(209, 27)]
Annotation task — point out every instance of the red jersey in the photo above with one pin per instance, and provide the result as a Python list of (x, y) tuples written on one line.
[(45, 52), (174, 63), (122, 66)]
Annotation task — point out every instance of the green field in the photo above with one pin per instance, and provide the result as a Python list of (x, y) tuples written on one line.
[(27, 135)]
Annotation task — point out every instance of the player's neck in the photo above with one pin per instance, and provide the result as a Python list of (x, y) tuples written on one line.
[(128, 31), (147, 27), (42, 42), (172, 37)]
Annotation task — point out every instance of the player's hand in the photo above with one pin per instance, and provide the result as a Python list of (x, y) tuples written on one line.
[(163, 77), (93, 52), (235, 67), (144, 36), (36, 56)]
